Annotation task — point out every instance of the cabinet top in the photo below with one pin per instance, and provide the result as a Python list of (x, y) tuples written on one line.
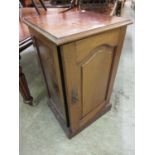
[(64, 27)]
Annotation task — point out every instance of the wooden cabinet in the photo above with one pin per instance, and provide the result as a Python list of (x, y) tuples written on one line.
[(79, 59)]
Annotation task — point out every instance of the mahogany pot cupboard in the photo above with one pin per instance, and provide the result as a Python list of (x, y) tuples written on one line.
[(79, 53)]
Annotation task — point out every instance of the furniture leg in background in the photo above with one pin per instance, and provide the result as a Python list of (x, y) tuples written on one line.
[(36, 7), (120, 5), (23, 88), (43, 5)]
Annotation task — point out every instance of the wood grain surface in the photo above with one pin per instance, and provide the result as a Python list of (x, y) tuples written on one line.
[(63, 27), (31, 12)]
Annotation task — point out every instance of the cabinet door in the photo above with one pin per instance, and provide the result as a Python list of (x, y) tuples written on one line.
[(95, 74), (90, 67)]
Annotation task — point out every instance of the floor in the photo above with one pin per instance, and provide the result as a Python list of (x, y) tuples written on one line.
[(112, 134)]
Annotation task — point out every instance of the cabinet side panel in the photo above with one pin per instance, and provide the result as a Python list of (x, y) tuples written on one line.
[(48, 56)]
